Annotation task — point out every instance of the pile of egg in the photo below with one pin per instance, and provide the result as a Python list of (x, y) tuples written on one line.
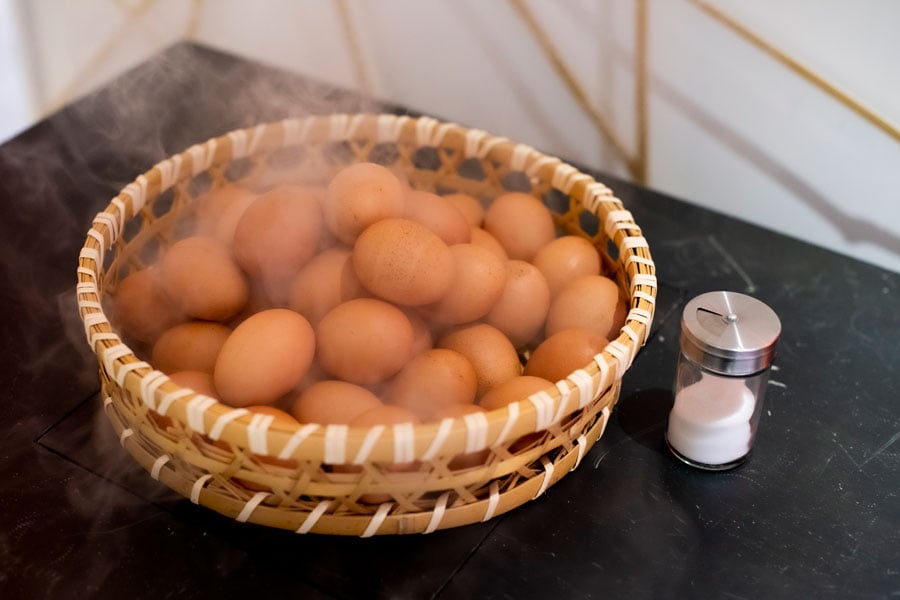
[(368, 302)]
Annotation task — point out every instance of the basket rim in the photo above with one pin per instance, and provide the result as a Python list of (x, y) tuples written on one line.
[(340, 444)]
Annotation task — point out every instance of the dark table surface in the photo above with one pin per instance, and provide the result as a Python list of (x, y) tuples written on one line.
[(814, 512)]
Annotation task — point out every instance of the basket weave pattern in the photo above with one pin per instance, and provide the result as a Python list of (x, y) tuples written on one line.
[(249, 468)]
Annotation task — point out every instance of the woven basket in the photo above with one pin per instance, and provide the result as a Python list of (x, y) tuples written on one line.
[(251, 469)]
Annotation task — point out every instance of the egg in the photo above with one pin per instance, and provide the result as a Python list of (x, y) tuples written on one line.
[(265, 357), (469, 206), (278, 234), (402, 261), (591, 301), (199, 381), (359, 195), (482, 238), (191, 346), (563, 352), (439, 215), (489, 351), (432, 381), (333, 402), (200, 278), (218, 211), (521, 310), (521, 223), (280, 417), (364, 340), (513, 390), (423, 340), (140, 308), (567, 258), (469, 459), (326, 281), (478, 281)]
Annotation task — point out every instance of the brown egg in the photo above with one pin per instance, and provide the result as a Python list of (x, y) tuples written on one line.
[(521, 223), (590, 301), (439, 215), (219, 210), (522, 307), (469, 206), (200, 278), (191, 346), (478, 282), (333, 402), (492, 355), (360, 195), (277, 235), (566, 259), (470, 459), (564, 352), (141, 309), (364, 340), (513, 390), (326, 281), (432, 381), (423, 340), (199, 381), (281, 417), (403, 262), (264, 358), (482, 238)]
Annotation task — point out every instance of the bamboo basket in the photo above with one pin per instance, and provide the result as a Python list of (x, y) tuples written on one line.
[(253, 470)]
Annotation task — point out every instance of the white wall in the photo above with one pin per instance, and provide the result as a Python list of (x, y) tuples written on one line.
[(729, 127)]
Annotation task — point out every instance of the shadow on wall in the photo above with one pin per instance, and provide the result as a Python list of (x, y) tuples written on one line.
[(851, 228)]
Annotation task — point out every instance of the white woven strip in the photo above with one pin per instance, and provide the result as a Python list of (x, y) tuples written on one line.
[(171, 397), (106, 402), (377, 519), (198, 485), (215, 432), (493, 501), (616, 218), (404, 443), (158, 465), (560, 409), (368, 443), (238, 143), (476, 431), (169, 170), (126, 433), (202, 156), (560, 177), (641, 260), (543, 402), (643, 279), (137, 191), (251, 505), (86, 287), (473, 141), (520, 155), (635, 241), (605, 375), (635, 338), (343, 127), (98, 336), (92, 254), (100, 240), (429, 132), (389, 127), (511, 418), (112, 223), (535, 167), (195, 409), (90, 304), (641, 315), (295, 131), (110, 355), (438, 513), (335, 444), (548, 474), (149, 384), (257, 432), (582, 443), (89, 272), (313, 517), (128, 368), (123, 211), (595, 193), (564, 394), (644, 296), (585, 384), (298, 438), (256, 138), (605, 413), (439, 439), (623, 356), (92, 320)]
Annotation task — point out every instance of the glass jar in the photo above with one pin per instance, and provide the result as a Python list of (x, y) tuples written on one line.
[(727, 346)]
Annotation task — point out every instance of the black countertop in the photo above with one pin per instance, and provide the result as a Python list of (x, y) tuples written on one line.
[(814, 512)]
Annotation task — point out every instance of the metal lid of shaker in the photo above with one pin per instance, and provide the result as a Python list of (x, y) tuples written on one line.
[(729, 333)]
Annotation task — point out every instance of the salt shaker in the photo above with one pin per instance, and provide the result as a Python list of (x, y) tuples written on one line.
[(727, 346)]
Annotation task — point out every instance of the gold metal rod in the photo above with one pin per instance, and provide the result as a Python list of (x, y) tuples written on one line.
[(811, 76), (193, 20), (640, 91), (362, 76), (575, 88)]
